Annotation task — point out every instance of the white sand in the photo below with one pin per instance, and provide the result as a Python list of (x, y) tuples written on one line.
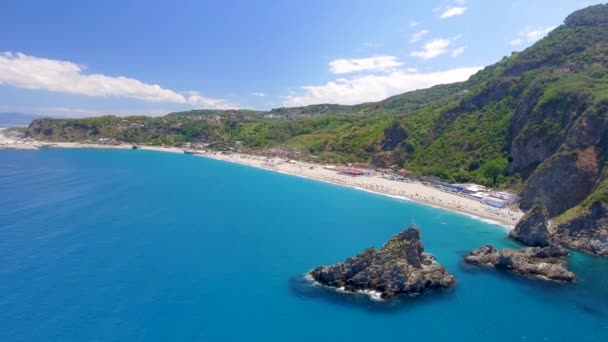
[(415, 191)]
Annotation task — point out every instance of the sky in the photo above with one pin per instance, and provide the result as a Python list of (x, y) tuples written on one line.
[(124, 57)]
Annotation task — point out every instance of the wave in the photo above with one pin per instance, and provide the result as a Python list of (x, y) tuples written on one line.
[(373, 295)]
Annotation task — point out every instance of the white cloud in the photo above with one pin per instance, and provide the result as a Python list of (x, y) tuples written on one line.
[(517, 41), (30, 72), (531, 34), (457, 52), (432, 49), (414, 23), (452, 11), (411, 69), (198, 101), (374, 87), (258, 94), (69, 112), (23, 71), (418, 35), (535, 34), (379, 63)]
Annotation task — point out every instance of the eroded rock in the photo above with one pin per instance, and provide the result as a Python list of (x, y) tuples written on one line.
[(544, 263), (399, 268), (533, 228), (587, 232)]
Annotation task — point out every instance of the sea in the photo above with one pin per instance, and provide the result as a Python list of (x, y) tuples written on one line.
[(122, 245)]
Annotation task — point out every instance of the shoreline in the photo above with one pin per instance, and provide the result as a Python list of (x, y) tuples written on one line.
[(404, 191), (466, 207)]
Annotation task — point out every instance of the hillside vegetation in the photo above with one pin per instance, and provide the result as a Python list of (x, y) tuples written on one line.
[(535, 121)]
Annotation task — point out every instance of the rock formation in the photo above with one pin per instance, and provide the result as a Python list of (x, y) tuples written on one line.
[(588, 232), (544, 263), (532, 229), (399, 268)]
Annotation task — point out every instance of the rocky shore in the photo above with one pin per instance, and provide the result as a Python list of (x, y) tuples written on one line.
[(399, 268), (544, 263), (587, 232), (533, 229)]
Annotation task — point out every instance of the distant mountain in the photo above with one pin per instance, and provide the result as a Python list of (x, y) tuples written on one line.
[(8, 119), (537, 121)]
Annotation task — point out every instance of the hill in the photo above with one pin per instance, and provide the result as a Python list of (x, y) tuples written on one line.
[(536, 121)]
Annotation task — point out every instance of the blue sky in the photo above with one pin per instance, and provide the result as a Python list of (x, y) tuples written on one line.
[(81, 58)]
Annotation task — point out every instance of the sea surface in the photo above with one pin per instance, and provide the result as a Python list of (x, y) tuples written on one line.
[(141, 245)]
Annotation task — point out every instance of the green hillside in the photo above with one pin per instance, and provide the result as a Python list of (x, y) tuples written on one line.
[(533, 120)]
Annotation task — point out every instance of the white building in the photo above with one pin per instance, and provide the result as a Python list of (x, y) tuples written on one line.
[(510, 198), (493, 201)]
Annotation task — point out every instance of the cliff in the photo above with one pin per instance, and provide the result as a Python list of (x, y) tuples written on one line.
[(587, 230)]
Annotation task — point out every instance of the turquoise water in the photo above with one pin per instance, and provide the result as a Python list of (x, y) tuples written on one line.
[(139, 245)]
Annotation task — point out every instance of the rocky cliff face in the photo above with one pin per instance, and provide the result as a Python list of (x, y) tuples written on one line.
[(399, 268), (576, 167), (543, 263), (393, 136), (533, 228), (531, 141), (394, 149), (587, 231), (562, 182)]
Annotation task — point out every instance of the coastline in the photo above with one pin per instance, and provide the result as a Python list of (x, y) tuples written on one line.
[(405, 191)]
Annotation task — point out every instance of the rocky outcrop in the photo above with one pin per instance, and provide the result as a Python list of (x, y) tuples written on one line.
[(532, 132), (544, 263), (588, 231), (399, 268), (562, 182), (393, 136), (533, 228), (577, 167)]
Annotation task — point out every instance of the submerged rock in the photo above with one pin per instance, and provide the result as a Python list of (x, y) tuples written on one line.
[(544, 263), (532, 229), (399, 268)]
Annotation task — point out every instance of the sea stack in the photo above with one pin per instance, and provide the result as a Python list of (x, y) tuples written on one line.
[(399, 268), (532, 230), (543, 263)]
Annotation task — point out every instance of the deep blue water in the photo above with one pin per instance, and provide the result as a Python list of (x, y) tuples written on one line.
[(139, 245)]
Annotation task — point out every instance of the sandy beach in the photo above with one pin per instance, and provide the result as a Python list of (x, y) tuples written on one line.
[(411, 190)]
